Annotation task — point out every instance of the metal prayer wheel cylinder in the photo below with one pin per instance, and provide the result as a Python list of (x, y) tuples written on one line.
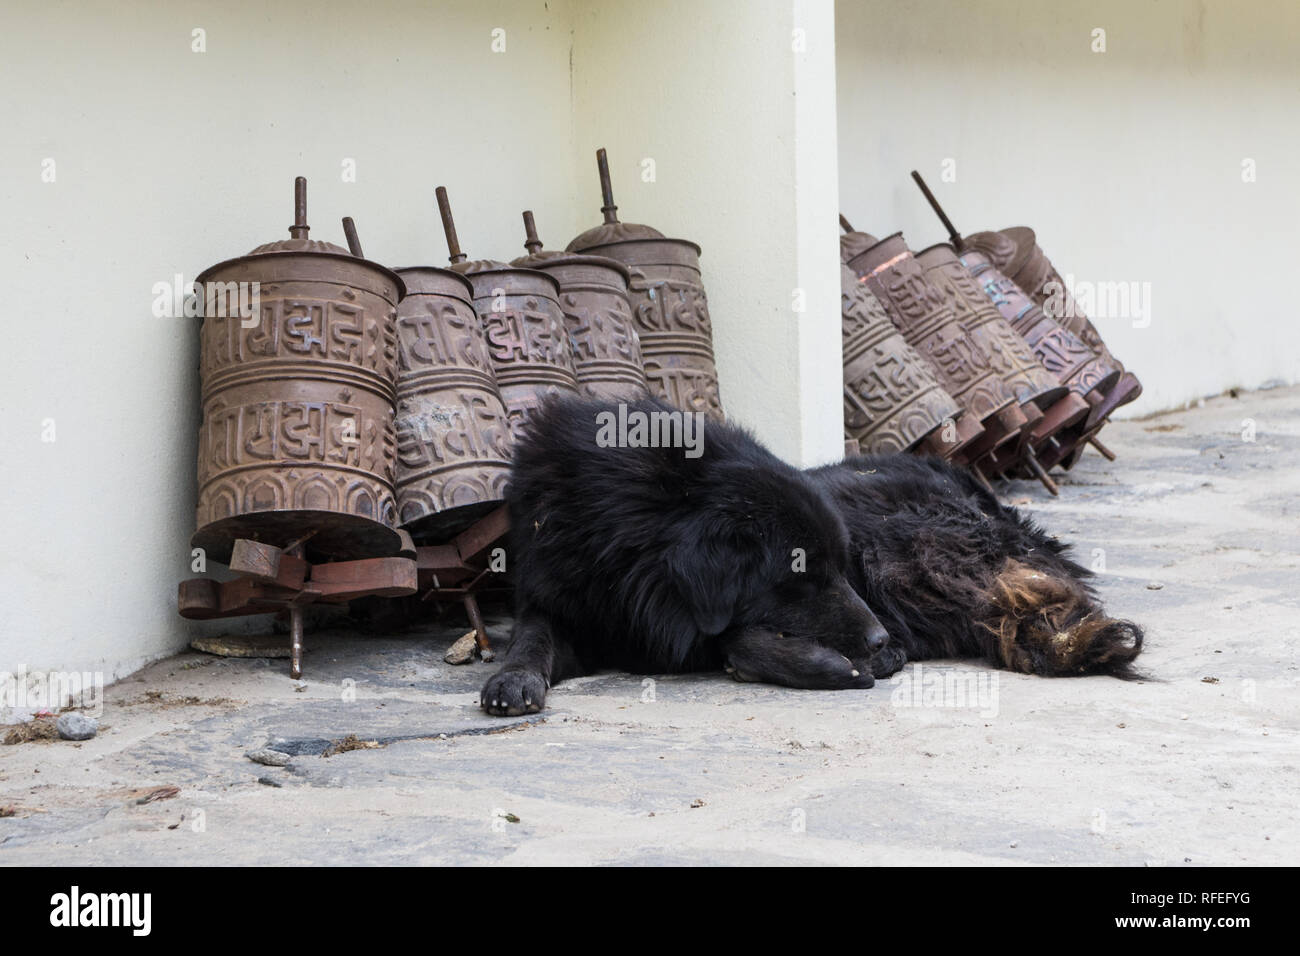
[(1077, 366), (670, 313), (521, 319), (1048, 404), (892, 400), (297, 441), (1039, 278), (930, 325), (853, 242), (1060, 351), (669, 307), (1016, 253), (1012, 359), (527, 344), (593, 296), (453, 432)]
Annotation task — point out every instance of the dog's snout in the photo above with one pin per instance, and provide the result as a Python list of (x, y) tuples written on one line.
[(877, 638)]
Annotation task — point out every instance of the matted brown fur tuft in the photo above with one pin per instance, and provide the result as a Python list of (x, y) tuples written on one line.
[(1052, 625)]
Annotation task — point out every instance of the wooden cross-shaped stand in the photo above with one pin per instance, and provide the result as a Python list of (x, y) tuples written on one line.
[(272, 579)]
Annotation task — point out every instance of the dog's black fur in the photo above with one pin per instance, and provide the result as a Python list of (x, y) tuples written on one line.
[(951, 572), (646, 560)]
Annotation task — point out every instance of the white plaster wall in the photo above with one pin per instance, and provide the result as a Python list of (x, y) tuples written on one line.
[(1128, 163), (741, 130), (168, 161)]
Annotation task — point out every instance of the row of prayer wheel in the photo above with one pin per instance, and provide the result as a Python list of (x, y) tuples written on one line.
[(354, 400), (950, 351), (350, 400)]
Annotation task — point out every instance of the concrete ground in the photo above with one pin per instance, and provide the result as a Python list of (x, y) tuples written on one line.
[(1197, 530)]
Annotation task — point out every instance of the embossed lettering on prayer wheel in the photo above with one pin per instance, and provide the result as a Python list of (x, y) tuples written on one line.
[(1016, 254), (607, 356), (529, 349), (892, 401), (1043, 283), (297, 438), (669, 307), (453, 435), (1011, 357), (931, 327), (522, 322), (1060, 351)]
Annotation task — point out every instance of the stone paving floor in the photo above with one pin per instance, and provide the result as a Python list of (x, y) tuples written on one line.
[(1198, 532)]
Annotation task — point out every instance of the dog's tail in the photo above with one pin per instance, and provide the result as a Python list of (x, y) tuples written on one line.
[(1049, 624)]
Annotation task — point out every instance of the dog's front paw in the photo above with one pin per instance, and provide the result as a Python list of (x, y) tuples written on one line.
[(864, 679), (888, 660), (512, 691)]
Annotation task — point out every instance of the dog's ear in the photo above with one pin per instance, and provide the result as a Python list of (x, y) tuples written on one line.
[(715, 573)]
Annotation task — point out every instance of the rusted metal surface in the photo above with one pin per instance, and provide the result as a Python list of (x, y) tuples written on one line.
[(1016, 254), (669, 306), (928, 322), (892, 400), (853, 242), (1060, 444), (1011, 357), (607, 356), (271, 579), (1048, 405), (520, 313), (297, 442), (453, 432), (462, 567), (1077, 366), (1060, 351), (1040, 279)]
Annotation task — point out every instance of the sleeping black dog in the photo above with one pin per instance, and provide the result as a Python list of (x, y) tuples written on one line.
[(645, 540), (952, 572), (688, 557)]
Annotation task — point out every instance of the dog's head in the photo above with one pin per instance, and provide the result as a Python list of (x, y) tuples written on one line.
[(769, 560)]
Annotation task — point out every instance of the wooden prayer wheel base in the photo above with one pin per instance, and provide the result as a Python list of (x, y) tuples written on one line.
[(274, 579), (965, 430), (444, 525), (1124, 391), (1001, 429), (270, 579), (325, 535), (1069, 411), (1010, 453)]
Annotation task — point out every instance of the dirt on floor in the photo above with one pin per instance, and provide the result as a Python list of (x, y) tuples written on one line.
[(1194, 532)]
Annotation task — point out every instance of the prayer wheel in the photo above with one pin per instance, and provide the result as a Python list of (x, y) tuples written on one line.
[(669, 306), (453, 435), (520, 313), (853, 242), (1067, 444), (297, 444), (1036, 275), (931, 327), (1049, 406), (594, 299), (892, 400), (1061, 352)]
